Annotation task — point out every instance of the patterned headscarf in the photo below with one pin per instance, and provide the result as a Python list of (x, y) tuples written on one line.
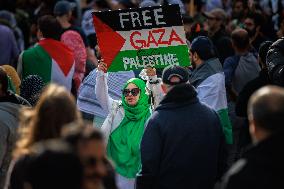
[(31, 88)]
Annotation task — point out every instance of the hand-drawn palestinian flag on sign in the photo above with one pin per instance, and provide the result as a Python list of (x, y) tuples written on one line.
[(136, 38)]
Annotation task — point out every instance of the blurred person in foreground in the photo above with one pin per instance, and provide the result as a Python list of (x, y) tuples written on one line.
[(55, 108), (262, 165), (53, 164), (88, 144)]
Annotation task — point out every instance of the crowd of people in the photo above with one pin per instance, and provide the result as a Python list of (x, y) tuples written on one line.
[(65, 122)]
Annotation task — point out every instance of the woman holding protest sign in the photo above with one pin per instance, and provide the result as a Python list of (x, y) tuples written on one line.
[(124, 125)]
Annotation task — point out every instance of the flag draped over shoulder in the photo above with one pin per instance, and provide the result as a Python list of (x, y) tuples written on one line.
[(51, 60)]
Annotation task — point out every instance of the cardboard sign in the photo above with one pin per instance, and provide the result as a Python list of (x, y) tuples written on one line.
[(137, 38)]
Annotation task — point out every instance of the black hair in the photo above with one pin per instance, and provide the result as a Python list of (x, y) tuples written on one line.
[(263, 49), (49, 27), (205, 52), (187, 19), (3, 81), (102, 4), (244, 2), (257, 18), (205, 55)]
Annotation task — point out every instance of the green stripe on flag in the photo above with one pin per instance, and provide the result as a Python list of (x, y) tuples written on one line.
[(226, 125), (154, 57), (36, 61)]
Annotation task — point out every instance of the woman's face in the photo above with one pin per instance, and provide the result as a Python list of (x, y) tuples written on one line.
[(132, 94)]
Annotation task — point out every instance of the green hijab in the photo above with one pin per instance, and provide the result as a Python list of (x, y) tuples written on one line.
[(124, 142)]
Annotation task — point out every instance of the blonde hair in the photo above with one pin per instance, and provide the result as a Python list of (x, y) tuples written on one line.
[(55, 108), (12, 73)]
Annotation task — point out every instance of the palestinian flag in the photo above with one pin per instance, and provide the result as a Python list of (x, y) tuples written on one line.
[(51, 60), (136, 38)]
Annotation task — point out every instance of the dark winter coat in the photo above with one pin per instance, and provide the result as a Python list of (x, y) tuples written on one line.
[(261, 167), (181, 144)]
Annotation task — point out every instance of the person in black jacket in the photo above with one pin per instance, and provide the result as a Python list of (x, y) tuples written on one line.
[(182, 141), (262, 166)]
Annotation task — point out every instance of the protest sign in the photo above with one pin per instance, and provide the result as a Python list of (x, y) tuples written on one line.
[(136, 38)]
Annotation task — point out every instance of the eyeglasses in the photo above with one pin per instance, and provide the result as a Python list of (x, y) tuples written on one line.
[(134, 92)]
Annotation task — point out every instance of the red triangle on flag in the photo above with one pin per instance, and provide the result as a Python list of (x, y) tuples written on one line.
[(58, 51), (110, 41)]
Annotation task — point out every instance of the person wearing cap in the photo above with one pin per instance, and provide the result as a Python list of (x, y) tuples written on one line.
[(124, 126), (216, 21), (209, 80), (181, 143), (63, 12)]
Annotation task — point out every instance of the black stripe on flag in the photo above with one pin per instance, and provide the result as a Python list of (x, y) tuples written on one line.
[(141, 18)]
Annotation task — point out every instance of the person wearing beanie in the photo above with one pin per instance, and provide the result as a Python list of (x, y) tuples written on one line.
[(181, 143), (209, 80)]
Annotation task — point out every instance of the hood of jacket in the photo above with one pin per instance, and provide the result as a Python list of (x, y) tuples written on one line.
[(179, 95), (10, 108)]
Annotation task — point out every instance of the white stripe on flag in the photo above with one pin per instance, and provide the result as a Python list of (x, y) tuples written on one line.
[(57, 75)]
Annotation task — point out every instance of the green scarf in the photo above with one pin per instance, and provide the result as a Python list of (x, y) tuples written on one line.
[(124, 142), (11, 87)]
